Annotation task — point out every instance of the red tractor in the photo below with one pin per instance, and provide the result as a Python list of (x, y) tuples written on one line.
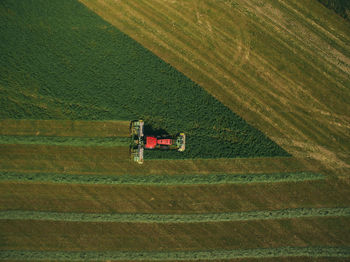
[(140, 141)]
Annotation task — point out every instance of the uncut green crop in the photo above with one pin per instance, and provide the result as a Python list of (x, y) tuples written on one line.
[(189, 179), (59, 60), (316, 251), (341, 7)]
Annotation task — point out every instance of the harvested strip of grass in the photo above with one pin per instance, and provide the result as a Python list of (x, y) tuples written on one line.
[(174, 218), (179, 255), (98, 160), (65, 141), (192, 179), (170, 199), (62, 158), (106, 236), (24, 127)]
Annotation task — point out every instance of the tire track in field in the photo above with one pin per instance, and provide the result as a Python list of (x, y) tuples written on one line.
[(290, 251), (259, 24), (310, 45), (175, 218), (188, 179), (340, 39)]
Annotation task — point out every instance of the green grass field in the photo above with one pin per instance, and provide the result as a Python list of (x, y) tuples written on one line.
[(261, 89)]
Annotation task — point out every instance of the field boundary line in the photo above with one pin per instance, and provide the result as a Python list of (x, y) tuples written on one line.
[(190, 179), (318, 251), (175, 218)]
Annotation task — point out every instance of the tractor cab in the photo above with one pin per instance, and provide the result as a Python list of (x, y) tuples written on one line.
[(158, 142)]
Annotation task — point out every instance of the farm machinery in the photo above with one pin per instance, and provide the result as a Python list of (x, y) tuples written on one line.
[(141, 142)]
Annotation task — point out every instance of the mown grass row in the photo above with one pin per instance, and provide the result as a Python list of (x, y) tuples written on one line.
[(31, 127), (174, 218), (191, 179), (65, 141), (318, 251)]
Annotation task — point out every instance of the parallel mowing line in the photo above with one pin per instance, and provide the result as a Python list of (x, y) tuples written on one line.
[(65, 141), (76, 128), (190, 179), (342, 252), (174, 218)]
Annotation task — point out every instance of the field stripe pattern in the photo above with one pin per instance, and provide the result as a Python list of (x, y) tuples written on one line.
[(76, 128), (98, 160), (179, 255), (190, 179), (65, 141), (65, 197), (170, 199), (106, 236), (175, 218)]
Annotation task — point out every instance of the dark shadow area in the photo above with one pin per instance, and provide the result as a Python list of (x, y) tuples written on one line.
[(151, 131), (341, 7)]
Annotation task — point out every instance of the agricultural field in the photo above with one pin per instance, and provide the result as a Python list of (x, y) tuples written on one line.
[(283, 66), (261, 89), (98, 73)]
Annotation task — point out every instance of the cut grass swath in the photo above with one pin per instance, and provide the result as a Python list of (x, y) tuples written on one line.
[(191, 179), (76, 128), (174, 218), (65, 141), (178, 255)]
